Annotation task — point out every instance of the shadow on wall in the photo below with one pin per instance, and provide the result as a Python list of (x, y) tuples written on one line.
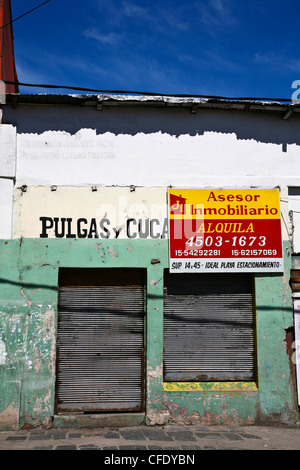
[(177, 121)]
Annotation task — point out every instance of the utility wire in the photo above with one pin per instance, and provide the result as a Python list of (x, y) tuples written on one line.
[(131, 92), (147, 93), (24, 14)]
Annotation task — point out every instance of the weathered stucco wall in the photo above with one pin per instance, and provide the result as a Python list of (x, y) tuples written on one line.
[(28, 293), (8, 135), (79, 162), (117, 212), (274, 398), (147, 147), (153, 146)]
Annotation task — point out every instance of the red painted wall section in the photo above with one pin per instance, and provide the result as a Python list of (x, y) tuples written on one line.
[(7, 57)]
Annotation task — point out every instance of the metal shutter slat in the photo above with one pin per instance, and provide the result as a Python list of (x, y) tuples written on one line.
[(100, 341), (208, 327)]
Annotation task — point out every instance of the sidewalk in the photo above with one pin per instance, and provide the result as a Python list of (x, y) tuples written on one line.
[(158, 438)]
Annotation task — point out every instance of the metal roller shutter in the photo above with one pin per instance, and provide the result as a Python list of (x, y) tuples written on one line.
[(100, 340), (208, 327)]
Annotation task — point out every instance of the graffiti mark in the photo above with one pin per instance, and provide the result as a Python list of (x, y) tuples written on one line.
[(98, 245), (112, 253)]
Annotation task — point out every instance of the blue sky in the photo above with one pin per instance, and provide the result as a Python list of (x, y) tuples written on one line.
[(232, 48)]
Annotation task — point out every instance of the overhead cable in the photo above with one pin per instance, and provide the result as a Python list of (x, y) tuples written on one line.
[(146, 93), (24, 14)]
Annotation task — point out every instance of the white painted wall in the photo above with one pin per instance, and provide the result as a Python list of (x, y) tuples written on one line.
[(148, 146), (6, 208), (7, 150), (7, 174), (294, 208), (212, 160), (154, 147), (112, 205)]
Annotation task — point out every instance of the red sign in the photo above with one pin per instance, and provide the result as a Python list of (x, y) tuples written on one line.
[(214, 230)]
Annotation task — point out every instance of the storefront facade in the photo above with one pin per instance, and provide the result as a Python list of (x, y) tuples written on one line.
[(96, 327)]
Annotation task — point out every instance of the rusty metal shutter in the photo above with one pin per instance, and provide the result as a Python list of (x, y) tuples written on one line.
[(208, 327), (100, 340)]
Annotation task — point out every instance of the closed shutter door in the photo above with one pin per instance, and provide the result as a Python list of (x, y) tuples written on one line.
[(100, 340), (208, 327)]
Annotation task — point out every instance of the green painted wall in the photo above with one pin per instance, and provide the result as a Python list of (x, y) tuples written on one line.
[(28, 316)]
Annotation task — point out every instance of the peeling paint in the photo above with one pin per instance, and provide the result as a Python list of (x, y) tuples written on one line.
[(112, 252), (3, 353), (98, 245), (154, 282), (156, 372), (158, 418), (9, 418), (29, 303), (30, 341)]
